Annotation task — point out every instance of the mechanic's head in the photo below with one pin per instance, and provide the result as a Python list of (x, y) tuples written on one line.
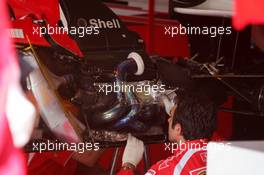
[(194, 117)]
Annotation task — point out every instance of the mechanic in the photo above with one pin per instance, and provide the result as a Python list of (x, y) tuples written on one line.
[(191, 124)]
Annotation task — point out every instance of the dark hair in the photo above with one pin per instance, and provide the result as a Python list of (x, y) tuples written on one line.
[(196, 114)]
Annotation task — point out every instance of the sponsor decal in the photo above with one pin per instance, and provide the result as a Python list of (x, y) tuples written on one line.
[(109, 24)]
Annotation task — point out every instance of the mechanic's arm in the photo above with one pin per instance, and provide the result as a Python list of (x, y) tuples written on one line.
[(134, 148), (133, 154)]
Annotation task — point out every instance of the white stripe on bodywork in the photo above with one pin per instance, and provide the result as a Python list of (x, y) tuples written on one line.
[(179, 167), (63, 18), (30, 157)]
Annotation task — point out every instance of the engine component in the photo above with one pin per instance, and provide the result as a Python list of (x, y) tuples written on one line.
[(114, 136), (95, 61), (259, 99), (127, 106)]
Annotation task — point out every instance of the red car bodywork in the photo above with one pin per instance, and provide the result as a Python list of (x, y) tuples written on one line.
[(28, 15)]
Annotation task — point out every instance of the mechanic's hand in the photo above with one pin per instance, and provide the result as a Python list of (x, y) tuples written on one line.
[(133, 151), (168, 104)]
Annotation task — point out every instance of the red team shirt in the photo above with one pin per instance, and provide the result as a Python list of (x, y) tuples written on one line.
[(189, 159)]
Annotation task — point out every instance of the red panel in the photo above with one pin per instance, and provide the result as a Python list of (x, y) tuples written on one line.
[(161, 44), (41, 9), (248, 12), (224, 123), (27, 11)]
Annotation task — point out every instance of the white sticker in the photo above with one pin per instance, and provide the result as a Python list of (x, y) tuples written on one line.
[(16, 33)]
